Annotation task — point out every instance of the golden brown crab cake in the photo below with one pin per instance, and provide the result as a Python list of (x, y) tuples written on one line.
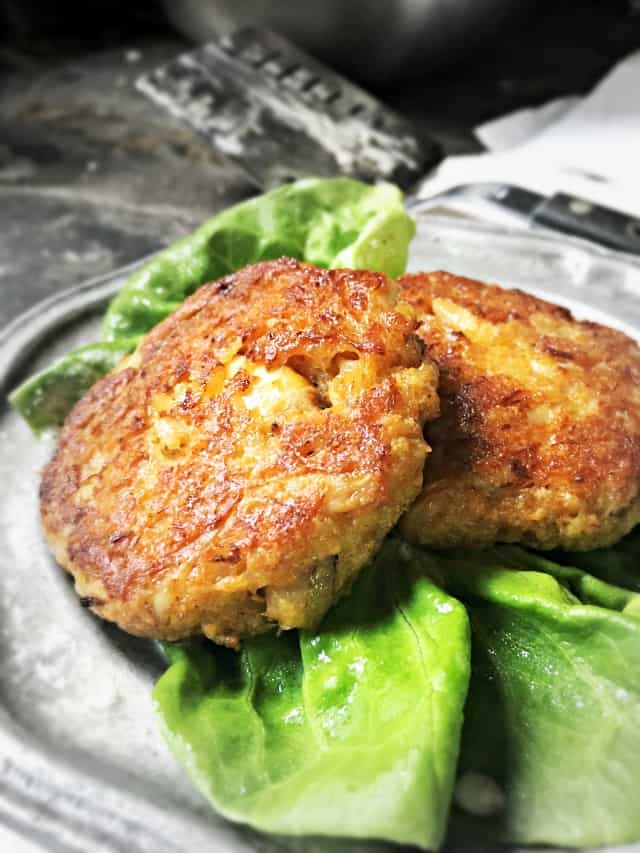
[(241, 466), (539, 438)]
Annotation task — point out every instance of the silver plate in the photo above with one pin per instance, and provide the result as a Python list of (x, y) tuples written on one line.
[(84, 767)]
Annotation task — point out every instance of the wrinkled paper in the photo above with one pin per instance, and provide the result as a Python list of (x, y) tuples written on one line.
[(589, 147)]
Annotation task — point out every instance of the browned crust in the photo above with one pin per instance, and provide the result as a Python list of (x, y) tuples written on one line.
[(539, 439), (196, 535)]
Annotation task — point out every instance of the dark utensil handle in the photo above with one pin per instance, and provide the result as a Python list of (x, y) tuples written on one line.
[(594, 222)]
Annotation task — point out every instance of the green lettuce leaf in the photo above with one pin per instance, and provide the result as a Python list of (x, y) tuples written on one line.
[(352, 731), (553, 714), (618, 564), (334, 222), (46, 398)]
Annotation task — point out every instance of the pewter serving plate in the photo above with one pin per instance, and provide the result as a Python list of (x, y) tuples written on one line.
[(84, 767)]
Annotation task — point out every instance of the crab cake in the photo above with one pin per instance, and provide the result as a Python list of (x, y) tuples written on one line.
[(240, 467), (539, 438)]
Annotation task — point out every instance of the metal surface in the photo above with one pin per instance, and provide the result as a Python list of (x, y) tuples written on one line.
[(93, 176), (374, 39), (84, 766), (281, 115)]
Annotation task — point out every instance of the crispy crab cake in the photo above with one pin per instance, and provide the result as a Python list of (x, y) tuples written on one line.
[(539, 438), (237, 471)]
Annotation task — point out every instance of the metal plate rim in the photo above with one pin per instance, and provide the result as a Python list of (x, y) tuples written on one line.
[(26, 331), (25, 787)]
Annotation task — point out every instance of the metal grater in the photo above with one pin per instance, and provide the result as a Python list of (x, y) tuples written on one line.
[(282, 115)]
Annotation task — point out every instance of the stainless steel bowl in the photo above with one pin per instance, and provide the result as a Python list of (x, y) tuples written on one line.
[(373, 40)]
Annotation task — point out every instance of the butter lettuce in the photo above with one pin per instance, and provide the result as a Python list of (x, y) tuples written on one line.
[(352, 731), (553, 715), (335, 222), (45, 399), (619, 564)]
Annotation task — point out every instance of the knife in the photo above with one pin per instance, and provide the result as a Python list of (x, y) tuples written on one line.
[(563, 212), (280, 115)]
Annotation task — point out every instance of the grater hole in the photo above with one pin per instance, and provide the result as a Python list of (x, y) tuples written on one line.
[(381, 121), (310, 84), (276, 69), (300, 78), (325, 92), (257, 56), (334, 96), (290, 78)]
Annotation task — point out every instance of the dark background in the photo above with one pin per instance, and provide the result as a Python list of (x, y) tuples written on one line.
[(92, 176)]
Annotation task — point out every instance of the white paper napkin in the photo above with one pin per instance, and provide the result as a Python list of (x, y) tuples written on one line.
[(589, 147), (522, 126)]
